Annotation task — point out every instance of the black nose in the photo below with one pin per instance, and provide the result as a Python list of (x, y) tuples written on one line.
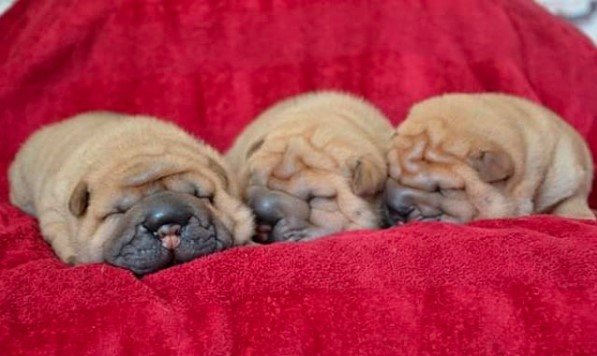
[(268, 206), (272, 207), (166, 213), (398, 203)]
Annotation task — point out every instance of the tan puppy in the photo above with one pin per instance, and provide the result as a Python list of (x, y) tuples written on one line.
[(313, 165), (462, 157), (133, 191)]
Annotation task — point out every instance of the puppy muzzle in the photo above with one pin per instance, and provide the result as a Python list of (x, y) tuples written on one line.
[(280, 216), (401, 205), (163, 229)]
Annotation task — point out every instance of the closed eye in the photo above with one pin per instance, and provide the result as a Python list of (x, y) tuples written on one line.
[(204, 195), (312, 197), (448, 193), (117, 211)]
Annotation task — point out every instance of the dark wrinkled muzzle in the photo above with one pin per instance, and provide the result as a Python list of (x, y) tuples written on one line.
[(402, 204), (163, 229), (280, 216)]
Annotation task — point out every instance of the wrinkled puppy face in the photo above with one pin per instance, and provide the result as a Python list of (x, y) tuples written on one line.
[(453, 180), (305, 185), (147, 221)]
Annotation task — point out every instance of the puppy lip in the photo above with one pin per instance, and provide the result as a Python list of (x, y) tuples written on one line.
[(140, 267), (263, 231), (215, 234)]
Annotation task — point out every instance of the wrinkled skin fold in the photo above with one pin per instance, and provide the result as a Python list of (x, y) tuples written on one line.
[(463, 157), (313, 165)]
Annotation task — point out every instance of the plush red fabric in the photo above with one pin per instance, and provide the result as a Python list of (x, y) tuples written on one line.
[(512, 286)]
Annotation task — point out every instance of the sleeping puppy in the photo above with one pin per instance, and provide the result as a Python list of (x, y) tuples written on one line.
[(313, 165), (135, 192), (463, 157)]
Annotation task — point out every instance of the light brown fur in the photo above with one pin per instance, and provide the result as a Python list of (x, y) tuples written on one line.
[(463, 157), (120, 159), (323, 147)]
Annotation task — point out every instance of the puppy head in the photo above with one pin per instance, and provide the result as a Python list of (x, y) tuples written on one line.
[(153, 211), (445, 177), (305, 184)]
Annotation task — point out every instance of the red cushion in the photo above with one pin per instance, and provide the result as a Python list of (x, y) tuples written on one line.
[(518, 286)]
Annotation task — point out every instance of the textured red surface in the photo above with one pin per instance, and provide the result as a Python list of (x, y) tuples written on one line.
[(517, 286)]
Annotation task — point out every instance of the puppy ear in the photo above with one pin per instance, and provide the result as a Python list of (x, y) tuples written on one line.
[(79, 200), (367, 178), (492, 165)]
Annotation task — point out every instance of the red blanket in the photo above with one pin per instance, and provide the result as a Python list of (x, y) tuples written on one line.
[(512, 286)]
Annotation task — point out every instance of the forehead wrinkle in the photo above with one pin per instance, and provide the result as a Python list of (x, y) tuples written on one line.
[(420, 154), (311, 155), (298, 155), (433, 176), (283, 164), (145, 179), (315, 183), (200, 181), (438, 155), (333, 151), (144, 168), (176, 158)]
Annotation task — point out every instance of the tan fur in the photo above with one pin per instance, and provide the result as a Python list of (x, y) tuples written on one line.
[(479, 156), (327, 146), (120, 159)]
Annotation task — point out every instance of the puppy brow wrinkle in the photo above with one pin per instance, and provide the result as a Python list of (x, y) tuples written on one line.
[(140, 173)]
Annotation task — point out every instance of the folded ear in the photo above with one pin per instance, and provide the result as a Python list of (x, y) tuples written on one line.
[(492, 165), (367, 176), (79, 200)]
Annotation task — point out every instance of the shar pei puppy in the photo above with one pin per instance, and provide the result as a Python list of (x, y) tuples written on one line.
[(313, 165), (135, 192), (462, 157)]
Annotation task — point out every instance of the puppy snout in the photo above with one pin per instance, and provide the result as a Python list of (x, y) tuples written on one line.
[(268, 206), (398, 204), (166, 217), (280, 216), (165, 212), (400, 214), (166, 228)]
